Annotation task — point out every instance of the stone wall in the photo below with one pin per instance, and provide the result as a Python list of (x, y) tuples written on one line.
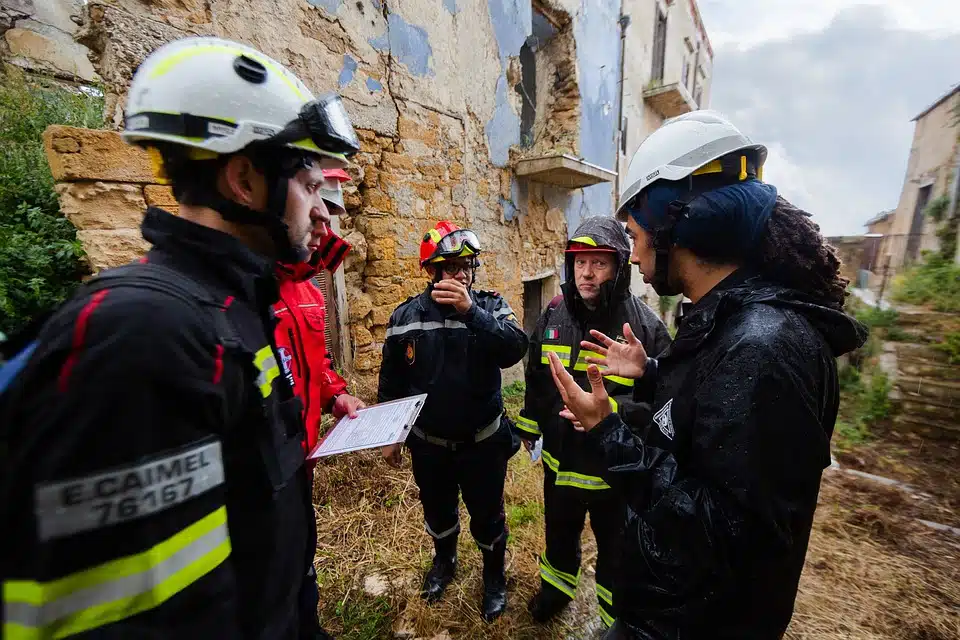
[(431, 86), (40, 36)]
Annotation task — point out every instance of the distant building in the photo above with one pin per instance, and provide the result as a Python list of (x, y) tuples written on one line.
[(930, 175)]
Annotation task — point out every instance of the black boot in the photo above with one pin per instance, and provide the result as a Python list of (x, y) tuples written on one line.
[(443, 570), (546, 604), (494, 581)]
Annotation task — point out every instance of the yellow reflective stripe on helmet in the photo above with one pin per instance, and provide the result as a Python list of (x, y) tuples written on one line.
[(580, 481), (528, 425), (549, 460), (562, 351), (604, 594), (585, 240), (117, 589), (266, 363), (166, 66)]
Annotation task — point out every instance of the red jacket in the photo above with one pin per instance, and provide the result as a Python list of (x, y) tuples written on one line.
[(301, 341)]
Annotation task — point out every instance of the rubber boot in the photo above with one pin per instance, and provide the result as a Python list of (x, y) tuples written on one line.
[(443, 570), (547, 603), (494, 581)]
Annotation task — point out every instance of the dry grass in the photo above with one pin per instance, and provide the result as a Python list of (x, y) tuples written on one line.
[(872, 571)]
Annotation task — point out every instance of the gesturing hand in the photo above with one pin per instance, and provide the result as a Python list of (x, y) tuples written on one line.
[(627, 360), (454, 293), (588, 408)]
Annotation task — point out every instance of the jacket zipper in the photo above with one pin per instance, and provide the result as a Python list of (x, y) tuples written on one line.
[(301, 355)]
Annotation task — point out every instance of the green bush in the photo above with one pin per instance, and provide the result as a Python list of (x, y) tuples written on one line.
[(877, 318), (950, 346), (934, 283), (40, 257)]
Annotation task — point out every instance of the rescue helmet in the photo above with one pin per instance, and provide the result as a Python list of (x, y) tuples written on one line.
[(216, 96), (446, 240), (332, 192), (696, 143)]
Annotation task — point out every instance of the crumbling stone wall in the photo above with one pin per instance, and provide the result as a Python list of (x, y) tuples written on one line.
[(39, 36), (428, 84)]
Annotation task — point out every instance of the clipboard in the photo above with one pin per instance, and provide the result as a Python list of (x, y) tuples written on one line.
[(375, 426)]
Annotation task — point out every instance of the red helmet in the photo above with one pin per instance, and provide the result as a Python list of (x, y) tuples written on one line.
[(584, 244), (339, 174), (447, 240)]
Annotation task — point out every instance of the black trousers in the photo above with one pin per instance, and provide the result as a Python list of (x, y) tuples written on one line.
[(565, 513), (478, 470)]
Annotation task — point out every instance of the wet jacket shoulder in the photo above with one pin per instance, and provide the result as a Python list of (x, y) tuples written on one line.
[(722, 488), (559, 330), (130, 418), (454, 358)]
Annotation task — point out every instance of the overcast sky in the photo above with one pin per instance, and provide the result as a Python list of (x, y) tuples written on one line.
[(830, 86)]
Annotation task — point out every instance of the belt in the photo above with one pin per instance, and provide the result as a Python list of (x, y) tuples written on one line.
[(479, 436)]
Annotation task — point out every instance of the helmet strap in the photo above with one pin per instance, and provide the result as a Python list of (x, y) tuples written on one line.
[(663, 238)]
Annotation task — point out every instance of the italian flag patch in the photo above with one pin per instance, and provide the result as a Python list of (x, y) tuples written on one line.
[(552, 333)]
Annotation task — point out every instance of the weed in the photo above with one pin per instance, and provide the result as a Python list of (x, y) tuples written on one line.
[(935, 283), (950, 346), (515, 389), (364, 618), (524, 513)]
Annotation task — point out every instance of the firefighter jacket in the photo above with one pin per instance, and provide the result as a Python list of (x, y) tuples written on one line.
[(454, 358), (567, 321), (722, 488), (153, 482), (301, 335)]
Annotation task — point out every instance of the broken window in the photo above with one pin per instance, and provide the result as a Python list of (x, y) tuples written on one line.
[(659, 46), (542, 32)]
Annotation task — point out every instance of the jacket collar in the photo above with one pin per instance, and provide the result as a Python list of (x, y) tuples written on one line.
[(699, 319), (220, 256)]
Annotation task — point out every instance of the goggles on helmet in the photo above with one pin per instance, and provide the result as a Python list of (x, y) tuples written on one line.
[(453, 244), (325, 121)]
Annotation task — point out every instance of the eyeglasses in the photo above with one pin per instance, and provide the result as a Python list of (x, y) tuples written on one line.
[(453, 268)]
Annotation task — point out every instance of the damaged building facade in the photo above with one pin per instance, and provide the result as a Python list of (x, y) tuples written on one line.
[(511, 117)]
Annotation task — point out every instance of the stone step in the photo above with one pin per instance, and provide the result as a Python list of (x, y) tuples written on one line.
[(927, 408), (929, 427), (928, 369), (922, 354), (947, 392)]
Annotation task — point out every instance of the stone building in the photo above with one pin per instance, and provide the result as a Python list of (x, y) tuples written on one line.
[(931, 173), (508, 116)]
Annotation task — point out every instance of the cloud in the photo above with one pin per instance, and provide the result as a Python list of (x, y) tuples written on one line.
[(834, 106)]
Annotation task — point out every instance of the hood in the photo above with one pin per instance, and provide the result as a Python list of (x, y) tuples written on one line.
[(841, 332), (606, 232), (329, 255)]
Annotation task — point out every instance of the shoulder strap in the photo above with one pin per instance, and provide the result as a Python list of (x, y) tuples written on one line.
[(158, 277), (556, 302)]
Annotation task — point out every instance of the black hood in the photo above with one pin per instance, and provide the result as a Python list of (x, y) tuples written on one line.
[(606, 233), (840, 331)]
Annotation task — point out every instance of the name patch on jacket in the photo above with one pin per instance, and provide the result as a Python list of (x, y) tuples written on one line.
[(127, 493)]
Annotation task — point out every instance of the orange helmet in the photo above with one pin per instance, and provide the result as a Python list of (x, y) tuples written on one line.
[(447, 240)]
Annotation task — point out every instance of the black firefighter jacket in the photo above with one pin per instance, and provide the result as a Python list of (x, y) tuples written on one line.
[(576, 459), (722, 490), (153, 482), (454, 358)]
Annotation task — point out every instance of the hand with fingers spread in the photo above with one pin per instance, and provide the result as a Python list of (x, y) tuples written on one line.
[(454, 293), (627, 360), (587, 408)]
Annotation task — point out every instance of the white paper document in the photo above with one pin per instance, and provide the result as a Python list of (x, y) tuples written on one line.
[(376, 426)]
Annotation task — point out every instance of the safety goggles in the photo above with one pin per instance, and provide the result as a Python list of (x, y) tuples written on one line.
[(326, 123), (453, 244)]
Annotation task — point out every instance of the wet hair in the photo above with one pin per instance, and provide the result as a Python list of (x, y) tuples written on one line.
[(793, 253)]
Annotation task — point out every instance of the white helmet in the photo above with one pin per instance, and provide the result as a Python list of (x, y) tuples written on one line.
[(218, 96), (686, 145)]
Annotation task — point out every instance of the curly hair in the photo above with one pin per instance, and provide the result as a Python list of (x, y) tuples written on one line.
[(793, 253)]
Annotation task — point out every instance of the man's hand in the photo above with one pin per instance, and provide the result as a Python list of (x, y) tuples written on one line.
[(454, 293), (627, 360), (586, 408), (347, 405), (393, 454)]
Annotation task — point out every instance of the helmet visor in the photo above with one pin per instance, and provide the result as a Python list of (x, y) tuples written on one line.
[(326, 123), (332, 195), (454, 244)]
